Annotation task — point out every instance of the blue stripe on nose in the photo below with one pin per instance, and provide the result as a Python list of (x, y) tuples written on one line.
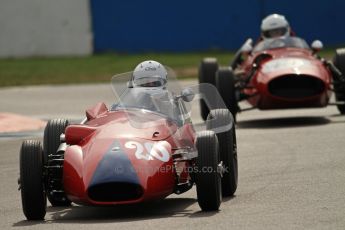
[(115, 167)]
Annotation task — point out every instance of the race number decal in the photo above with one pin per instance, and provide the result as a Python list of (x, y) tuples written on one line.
[(149, 151), (139, 153)]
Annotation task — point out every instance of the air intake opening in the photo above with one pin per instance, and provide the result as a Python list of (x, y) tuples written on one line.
[(115, 191), (296, 86)]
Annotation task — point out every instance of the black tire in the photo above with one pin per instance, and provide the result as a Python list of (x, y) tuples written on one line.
[(339, 60), (225, 83), (207, 74), (227, 148), (52, 133), (34, 199), (208, 183), (339, 87)]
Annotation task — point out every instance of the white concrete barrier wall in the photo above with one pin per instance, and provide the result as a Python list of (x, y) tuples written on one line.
[(45, 28)]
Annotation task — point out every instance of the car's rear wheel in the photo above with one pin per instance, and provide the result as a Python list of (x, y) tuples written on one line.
[(52, 134), (33, 194), (225, 83), (221, 119), (208, 180), (339, 87), (207, 74)]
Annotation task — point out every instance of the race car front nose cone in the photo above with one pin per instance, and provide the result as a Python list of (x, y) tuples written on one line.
[(114, 178)]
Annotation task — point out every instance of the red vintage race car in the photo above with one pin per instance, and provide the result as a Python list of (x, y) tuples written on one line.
[(278, 73), (143, 148)]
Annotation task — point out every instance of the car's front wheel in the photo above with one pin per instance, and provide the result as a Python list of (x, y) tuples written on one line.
[(31, 179), (225, 83), (207, 74), (208, 180), (339, 87)]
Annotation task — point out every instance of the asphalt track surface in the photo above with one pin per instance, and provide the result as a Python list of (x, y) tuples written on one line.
[(291, 171)]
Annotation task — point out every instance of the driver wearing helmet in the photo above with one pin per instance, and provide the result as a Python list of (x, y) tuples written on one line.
[(275, 25), (149, 74), (149, 82), (147, 89)]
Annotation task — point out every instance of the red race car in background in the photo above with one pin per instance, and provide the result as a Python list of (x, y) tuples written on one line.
[(278, 73), (143, 148)]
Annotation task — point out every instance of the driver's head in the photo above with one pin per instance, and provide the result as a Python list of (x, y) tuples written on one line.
[(149, 74), (274, 25)]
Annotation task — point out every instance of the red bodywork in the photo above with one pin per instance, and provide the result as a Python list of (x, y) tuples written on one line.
[(290, 78), (106, 161)]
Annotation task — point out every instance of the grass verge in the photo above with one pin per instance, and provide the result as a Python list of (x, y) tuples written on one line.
[(98, 68)]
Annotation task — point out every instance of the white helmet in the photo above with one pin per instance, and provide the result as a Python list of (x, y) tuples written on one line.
[(149, 74), (274, 25)]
